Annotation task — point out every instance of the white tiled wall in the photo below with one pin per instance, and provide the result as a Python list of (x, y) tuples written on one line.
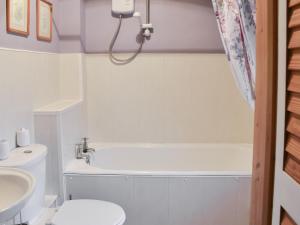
[(70, 79), (27, 80), (30, 80), (165, 98)]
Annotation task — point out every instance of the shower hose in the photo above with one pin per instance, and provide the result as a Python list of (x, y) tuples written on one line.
[(113, 58)]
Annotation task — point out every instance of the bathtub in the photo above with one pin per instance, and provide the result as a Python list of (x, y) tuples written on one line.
[(168, 184)]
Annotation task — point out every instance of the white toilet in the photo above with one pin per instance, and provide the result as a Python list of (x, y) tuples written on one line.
[(89, 212), (75, 212)]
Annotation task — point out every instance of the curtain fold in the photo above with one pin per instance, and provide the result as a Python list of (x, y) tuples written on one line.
[(237, 25)]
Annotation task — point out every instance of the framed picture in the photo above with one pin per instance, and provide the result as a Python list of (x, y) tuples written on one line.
[(18, 16), (44, 20)]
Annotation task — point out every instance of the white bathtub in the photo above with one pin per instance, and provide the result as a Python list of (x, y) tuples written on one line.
[(185, 184)]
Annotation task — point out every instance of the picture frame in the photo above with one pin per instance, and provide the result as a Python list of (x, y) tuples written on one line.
[(18, 17), (44, 15)]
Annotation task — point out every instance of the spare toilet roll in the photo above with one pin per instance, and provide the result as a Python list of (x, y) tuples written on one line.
[(23, 137), (4, 149)]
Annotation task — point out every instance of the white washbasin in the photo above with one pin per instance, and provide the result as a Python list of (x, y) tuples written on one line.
[(16, 187)]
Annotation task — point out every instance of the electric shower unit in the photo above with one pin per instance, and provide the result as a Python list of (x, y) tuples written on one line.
[(126, 9)]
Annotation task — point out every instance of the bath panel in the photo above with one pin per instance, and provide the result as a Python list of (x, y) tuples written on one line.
[(152, 200)]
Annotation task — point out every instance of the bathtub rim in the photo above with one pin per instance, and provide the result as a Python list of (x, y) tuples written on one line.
[(145, 145), (79, 167)]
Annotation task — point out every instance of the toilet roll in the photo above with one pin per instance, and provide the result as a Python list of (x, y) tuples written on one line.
[(4, 149), (23, 137)]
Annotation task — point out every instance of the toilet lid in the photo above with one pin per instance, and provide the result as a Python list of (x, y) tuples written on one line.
[(89, 212)]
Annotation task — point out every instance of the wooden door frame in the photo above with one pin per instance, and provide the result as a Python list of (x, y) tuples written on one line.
[(265, 113)]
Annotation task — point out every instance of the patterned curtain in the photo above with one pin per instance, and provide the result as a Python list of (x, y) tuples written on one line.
[(237, 24)]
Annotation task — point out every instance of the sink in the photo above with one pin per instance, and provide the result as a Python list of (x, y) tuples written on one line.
[(16, 187)]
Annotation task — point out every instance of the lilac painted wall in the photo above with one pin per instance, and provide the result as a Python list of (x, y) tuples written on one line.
[(30, 42), (71, 25), (180, 26), (87, 25)]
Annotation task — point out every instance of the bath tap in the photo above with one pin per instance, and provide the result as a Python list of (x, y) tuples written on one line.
[(87, 159), (85, 147), (82, 151)]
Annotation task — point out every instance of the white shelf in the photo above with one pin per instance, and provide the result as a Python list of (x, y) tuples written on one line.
[(57, 107)]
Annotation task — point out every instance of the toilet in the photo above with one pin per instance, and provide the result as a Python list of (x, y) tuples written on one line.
[(88, 212), (75, 212)]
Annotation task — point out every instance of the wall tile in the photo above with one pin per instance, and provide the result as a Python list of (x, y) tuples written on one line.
[(165, 98)]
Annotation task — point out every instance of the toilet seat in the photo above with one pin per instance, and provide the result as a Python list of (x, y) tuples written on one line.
[(89, 212)]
